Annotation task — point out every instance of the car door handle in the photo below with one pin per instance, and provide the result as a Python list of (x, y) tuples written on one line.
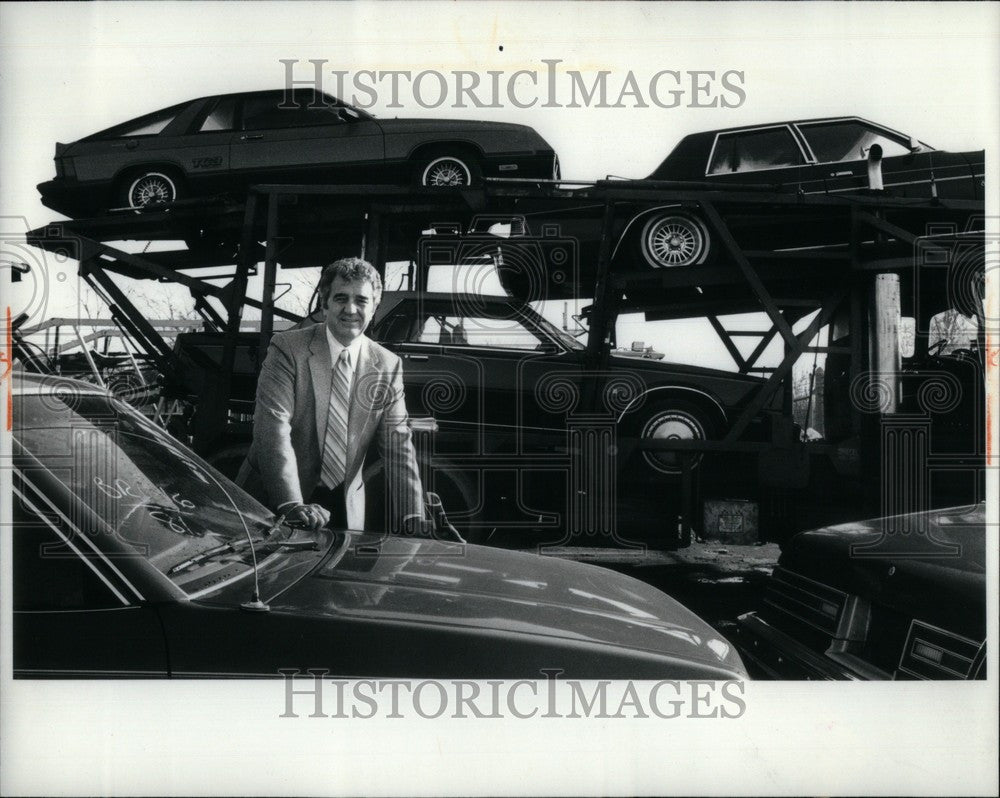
[(248, 136), (415, 357)]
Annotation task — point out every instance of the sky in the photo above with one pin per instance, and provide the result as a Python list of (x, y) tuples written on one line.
[(66, 70), (69, 70)]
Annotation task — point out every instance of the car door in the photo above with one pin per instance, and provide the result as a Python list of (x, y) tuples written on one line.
[(765, 156), (76, 614), (205, 150), (308, 143), (476, 367)]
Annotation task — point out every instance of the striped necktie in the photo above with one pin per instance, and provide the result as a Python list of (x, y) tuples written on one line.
[(335, 442)]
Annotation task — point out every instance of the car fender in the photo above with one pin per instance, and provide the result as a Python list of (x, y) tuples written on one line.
[(663, 391), (641, 215)]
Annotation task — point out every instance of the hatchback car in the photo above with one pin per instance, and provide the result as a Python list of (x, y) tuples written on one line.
[(227, 142), (887, 598), (134, 558)]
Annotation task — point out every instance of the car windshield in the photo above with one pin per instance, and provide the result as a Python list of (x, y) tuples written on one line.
[(158, 499), (562, 336)]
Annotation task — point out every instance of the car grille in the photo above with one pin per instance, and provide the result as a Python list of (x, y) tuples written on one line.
[(933, 653), (817, 605)]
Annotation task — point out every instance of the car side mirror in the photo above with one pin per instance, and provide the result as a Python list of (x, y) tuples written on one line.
[(914, 145)]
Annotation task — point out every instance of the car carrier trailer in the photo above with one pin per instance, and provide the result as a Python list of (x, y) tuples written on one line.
[(857, 262)]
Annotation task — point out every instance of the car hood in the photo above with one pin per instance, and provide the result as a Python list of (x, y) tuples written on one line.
[(954, 539), (427, 582), (920, 563), (657, 366)]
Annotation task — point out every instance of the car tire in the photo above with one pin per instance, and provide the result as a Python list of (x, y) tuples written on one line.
[(149, 187), (677, 419), (448, 170), (674, 239)]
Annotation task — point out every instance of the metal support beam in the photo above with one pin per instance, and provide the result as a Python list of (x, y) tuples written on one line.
[(270, 273), (603, 317), (774, 382), (749, 273), (726, 337), (127, 315)]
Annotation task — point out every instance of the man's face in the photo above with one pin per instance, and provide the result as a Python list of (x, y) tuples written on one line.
[(349, 309)]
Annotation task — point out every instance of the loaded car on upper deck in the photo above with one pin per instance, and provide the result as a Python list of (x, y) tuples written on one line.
[(228, 142), (823, 156), (751, 175)]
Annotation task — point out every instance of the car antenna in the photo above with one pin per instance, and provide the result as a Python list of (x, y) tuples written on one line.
[(254, 604)]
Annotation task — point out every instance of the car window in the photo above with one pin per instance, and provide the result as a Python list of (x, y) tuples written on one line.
[(48, 573), (480, 331), (148, 125), (222, 116), (261, 113), (848, 141), (750, 150)]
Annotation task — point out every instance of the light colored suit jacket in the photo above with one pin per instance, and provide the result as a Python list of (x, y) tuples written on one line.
[(293, 398)]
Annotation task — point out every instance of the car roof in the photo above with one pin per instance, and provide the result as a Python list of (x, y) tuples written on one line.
[(847, 118), (254, 92)]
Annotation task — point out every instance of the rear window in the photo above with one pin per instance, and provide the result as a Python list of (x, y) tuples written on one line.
[(848, 141), (148, 125)]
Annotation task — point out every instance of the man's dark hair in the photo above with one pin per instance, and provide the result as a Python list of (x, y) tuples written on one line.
[(349, 269)]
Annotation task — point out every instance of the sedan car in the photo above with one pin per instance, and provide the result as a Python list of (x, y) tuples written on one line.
[(134, 558), (888, 598), (652, 231), (823, 156), (227, 142), (494, 364)]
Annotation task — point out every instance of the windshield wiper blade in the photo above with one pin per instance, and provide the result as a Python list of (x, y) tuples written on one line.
[(237, 545)]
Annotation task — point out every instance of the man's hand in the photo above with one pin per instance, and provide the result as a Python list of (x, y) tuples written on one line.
[(310, 516)]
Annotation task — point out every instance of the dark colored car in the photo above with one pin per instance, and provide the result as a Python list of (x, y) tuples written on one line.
[(820, 156), (493, 365), (888, 598), (134, 558), (228, 142), (823, 156)]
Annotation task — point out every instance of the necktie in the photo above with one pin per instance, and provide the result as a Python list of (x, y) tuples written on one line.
[(335, 442)]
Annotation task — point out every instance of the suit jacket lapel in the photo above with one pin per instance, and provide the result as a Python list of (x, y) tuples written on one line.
[(322, 379), (363, 395)]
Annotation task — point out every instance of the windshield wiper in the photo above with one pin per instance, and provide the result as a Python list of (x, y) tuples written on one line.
[(238, 545)]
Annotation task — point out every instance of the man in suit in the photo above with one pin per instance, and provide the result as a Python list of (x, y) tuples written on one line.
[(324, 393)]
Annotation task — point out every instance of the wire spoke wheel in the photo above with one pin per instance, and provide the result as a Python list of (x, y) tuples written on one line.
[(152, 188), (447, 172), (674, 240)]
